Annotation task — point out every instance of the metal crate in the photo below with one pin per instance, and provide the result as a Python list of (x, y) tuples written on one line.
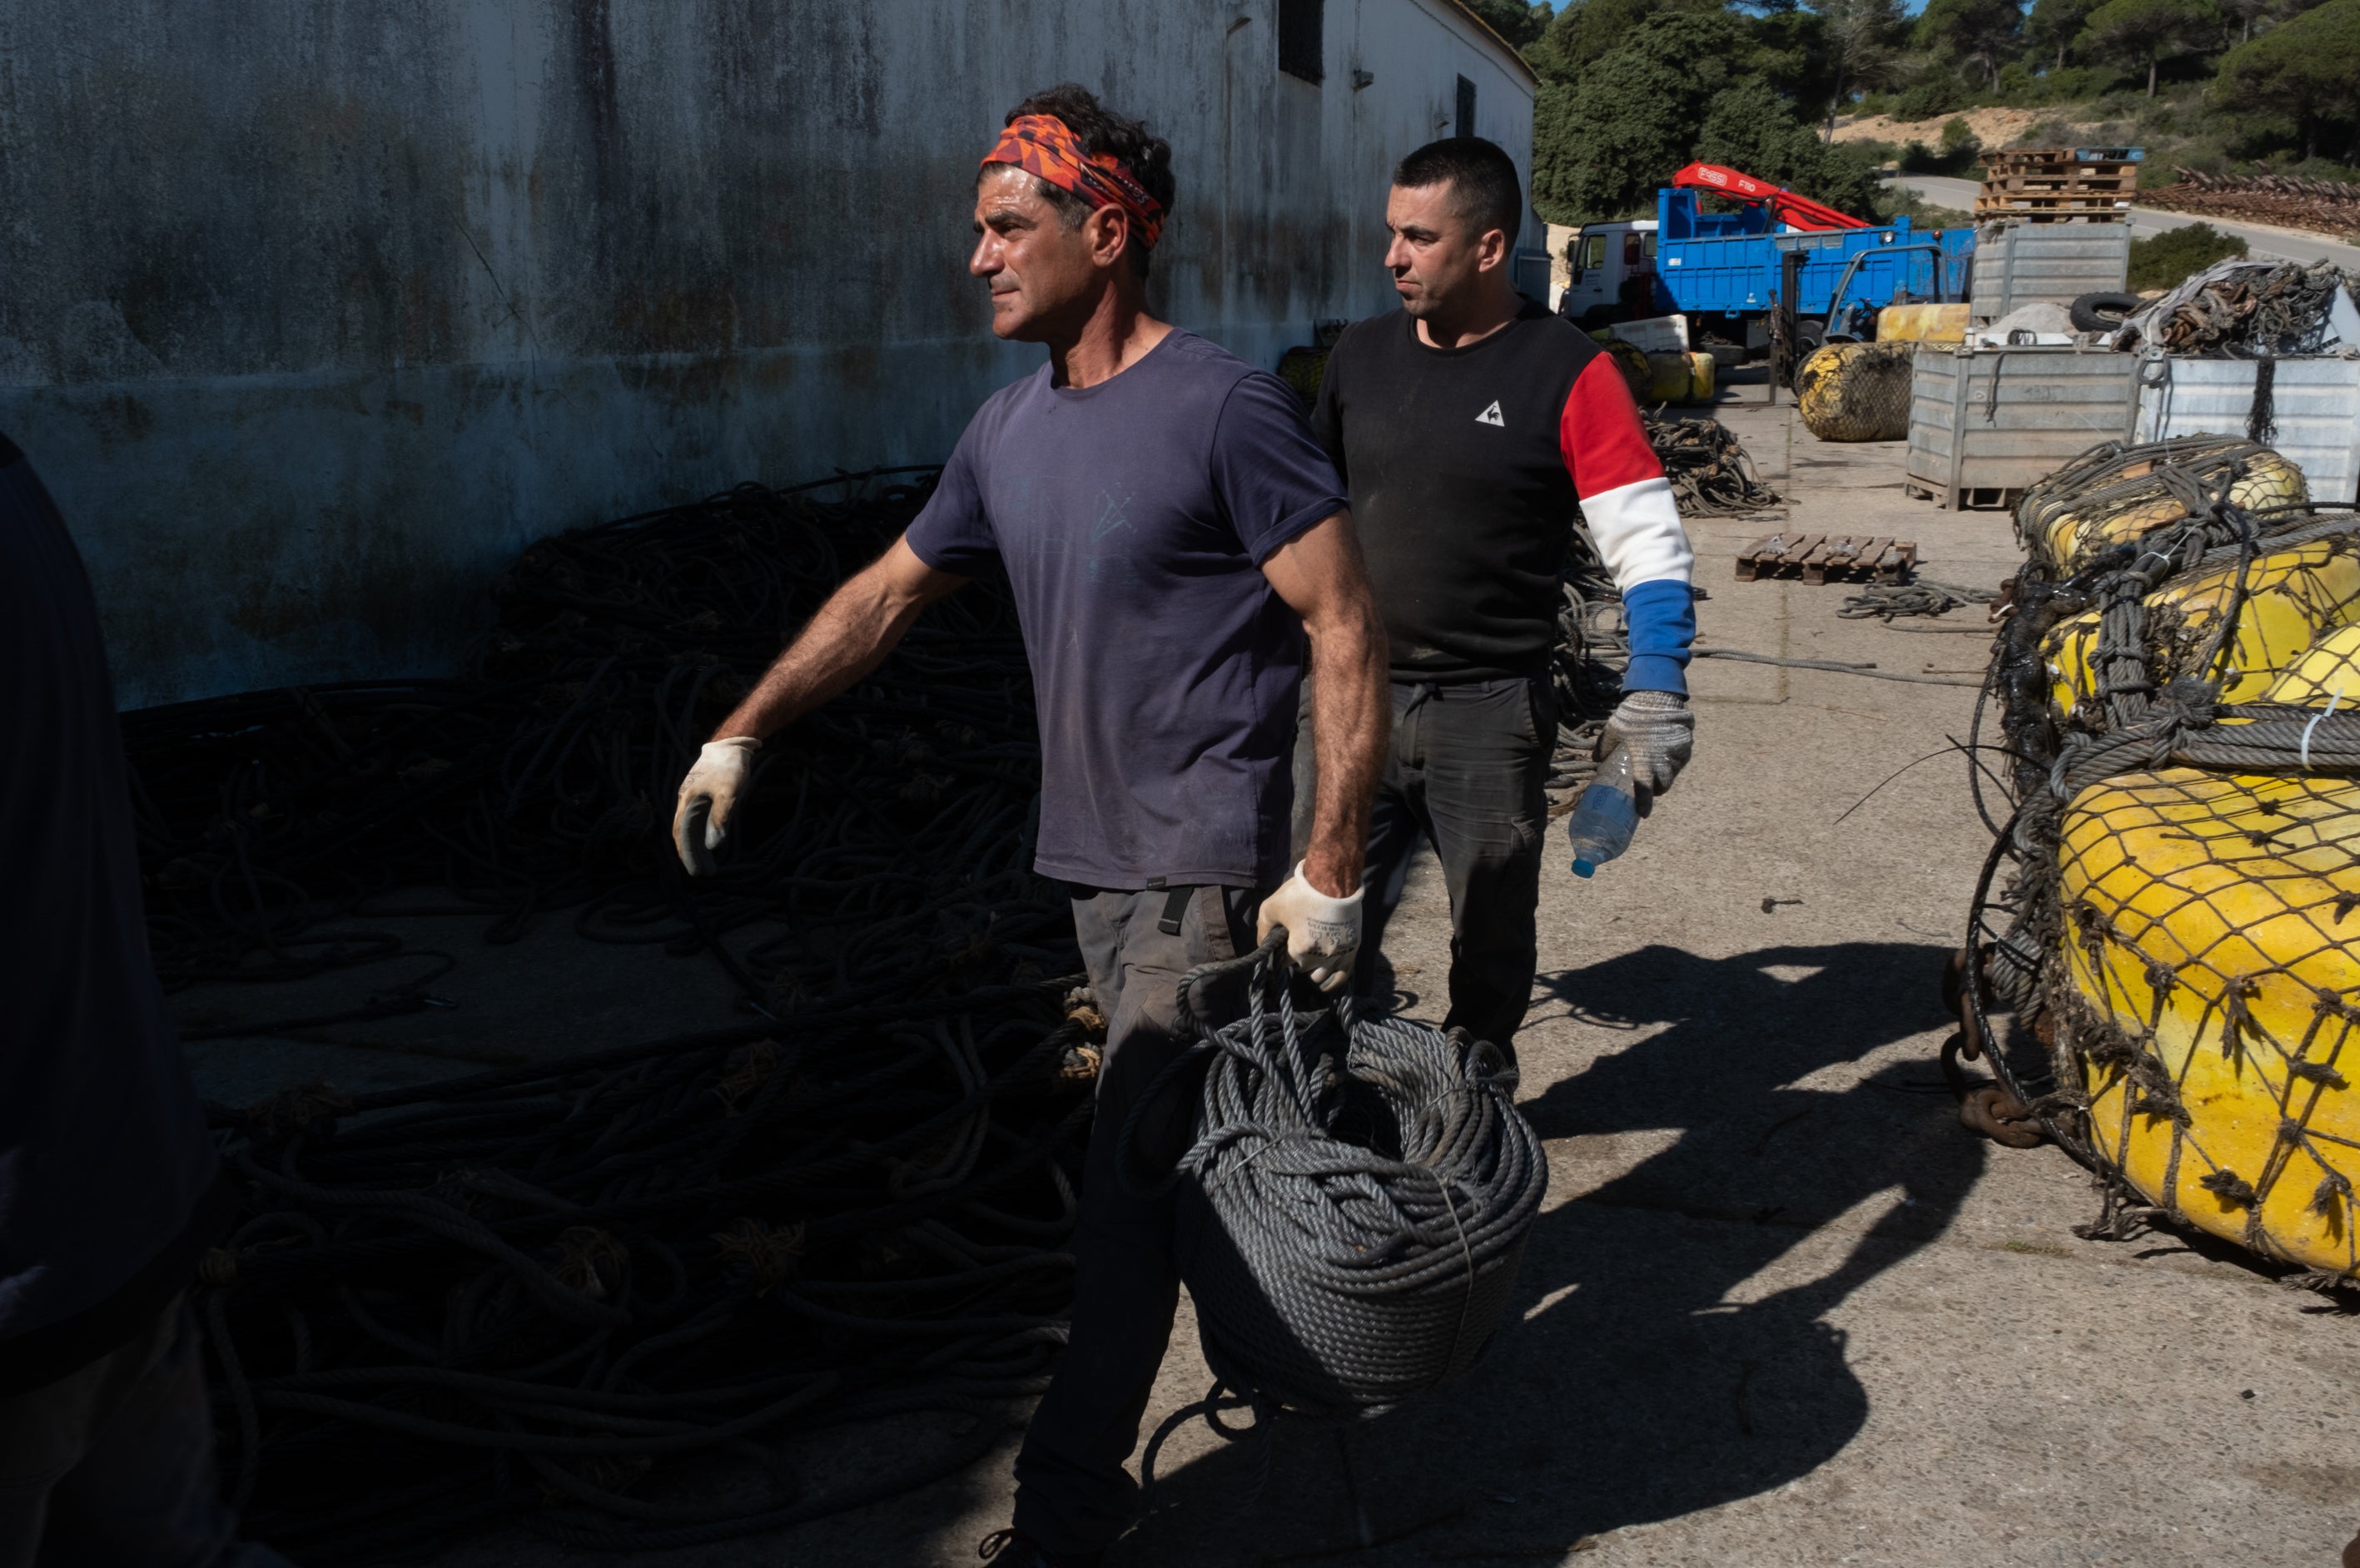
[(2315, 406), (2054, 264), (1985, 423)]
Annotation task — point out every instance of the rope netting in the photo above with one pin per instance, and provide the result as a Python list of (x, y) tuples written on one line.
[(662, 1291), (2160, 967)]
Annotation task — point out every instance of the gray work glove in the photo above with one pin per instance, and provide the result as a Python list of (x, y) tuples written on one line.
[(1658, 732), (707, 797)]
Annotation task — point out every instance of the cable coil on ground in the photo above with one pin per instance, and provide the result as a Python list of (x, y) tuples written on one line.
[(1355, 1204)]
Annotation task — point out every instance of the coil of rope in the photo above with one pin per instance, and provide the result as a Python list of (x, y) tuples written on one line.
[(1355, 1204)]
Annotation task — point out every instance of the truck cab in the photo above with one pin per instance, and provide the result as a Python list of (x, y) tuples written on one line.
[(1612, 270)]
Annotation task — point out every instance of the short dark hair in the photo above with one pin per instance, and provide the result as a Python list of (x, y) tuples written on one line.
[(1101, 131), (1485, 189)]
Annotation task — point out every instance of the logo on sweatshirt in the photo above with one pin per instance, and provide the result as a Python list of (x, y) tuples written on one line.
[(1491, 416)]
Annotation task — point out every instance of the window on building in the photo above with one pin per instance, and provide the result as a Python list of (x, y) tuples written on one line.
[(1465, 108), (1302, 50)]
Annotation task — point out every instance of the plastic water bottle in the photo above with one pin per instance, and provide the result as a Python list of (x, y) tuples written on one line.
[(1605, 816)]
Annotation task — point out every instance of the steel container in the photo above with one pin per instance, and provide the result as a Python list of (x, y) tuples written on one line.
[(2314, 411), (1986, 422), (2055, 264)]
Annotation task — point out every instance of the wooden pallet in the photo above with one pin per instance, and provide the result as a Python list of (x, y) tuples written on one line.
[(1824, 558)]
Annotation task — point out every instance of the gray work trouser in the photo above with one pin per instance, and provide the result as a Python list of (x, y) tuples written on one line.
[(112, 1466), (1468, 773), (1073, 1494)]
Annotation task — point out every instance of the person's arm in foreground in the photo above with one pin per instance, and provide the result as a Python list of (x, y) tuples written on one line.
[(1319, 575), (1636, 526), (849, 637)]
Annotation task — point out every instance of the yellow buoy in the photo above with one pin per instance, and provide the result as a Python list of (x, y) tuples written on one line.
[(2291, 595), (1856, 391), (2212, 928), (2072, 540), (1922, 323)]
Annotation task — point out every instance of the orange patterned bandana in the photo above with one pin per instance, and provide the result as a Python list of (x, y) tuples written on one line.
[(1041, 145)]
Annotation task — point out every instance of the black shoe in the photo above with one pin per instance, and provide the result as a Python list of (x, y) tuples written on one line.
[(1012, 1549)]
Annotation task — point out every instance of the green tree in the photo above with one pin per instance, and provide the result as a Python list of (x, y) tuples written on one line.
[(2133, 33), (1514, 20), (1604, 141), (1749, 127), (2055, 24), (1981, 34), (1863, 40), (1583, 33), (2304, 75)]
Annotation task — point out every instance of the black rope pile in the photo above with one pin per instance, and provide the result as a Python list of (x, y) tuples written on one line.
[(1355, 1204), (1710, 474), (1918, 596), (662, 1291), (2155, 704)]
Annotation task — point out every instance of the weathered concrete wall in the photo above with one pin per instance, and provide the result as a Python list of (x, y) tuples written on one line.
[(317, 310)]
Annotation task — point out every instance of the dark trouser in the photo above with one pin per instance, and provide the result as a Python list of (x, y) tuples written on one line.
[(1073, 1494), (1468, 773), (113, 1464)]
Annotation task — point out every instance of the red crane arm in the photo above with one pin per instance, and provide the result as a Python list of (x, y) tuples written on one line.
[(1795, 211)]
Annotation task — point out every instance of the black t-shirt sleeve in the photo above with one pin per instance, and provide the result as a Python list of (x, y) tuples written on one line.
[(1327, 414)]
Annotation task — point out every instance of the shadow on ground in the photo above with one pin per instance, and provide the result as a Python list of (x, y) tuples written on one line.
[(1675, 1351)]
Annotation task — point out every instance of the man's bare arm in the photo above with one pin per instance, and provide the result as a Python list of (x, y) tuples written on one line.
[(1320, 576), (849, 637)]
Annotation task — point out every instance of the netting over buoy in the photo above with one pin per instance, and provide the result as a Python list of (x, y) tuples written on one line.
[(1856, 391)]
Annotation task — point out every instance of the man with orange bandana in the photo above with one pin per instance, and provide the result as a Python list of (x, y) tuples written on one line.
[(1174, 538)]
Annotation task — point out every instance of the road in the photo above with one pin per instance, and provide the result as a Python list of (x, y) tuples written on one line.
[(2290, 244)]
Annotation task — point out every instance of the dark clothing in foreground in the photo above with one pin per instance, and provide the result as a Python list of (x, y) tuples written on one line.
[(106, 1174), (1133, 517), (114, 1462), (1468, 771), (1073, 1495)]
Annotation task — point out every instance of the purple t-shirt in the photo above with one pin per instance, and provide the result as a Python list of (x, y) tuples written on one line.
[(1132, 517)]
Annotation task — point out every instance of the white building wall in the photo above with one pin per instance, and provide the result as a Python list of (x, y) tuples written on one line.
[(318, 310)]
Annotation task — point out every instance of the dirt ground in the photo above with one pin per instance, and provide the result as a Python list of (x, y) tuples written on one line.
[(1994, 128), (1780, 1309)]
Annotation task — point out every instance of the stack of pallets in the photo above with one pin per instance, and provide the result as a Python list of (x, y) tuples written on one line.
[(2059, 185)]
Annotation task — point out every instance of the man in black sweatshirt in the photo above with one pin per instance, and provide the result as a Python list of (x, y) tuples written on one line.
[(1468, 426)]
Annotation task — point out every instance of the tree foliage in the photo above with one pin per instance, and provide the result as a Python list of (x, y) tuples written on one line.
[(1975, 37), (1748, 127), (2146, 33), (1519, 23), (2300, 79), (1605, 140)]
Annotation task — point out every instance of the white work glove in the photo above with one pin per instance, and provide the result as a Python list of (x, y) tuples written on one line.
[(1658, 732), (707, 797), (1323, 935)]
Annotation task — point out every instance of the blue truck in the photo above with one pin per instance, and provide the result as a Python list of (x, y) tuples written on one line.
[(1725, 271)]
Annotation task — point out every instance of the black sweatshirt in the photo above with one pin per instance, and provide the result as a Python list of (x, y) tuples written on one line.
[(1464, 467)]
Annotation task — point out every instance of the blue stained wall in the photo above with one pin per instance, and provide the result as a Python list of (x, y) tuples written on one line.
[(314, 312)]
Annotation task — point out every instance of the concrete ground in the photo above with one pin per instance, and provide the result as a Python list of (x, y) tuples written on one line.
[(1780, 1309), (2266, 241)]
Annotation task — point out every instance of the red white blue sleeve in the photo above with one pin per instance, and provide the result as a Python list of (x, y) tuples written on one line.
[(1634, 521)]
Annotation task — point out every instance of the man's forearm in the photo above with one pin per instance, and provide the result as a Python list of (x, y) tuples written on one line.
[(849, 637), (1351, 720)]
